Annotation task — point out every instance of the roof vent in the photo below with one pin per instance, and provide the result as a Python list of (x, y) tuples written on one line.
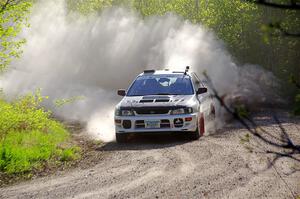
[(178, 72), (149, 71)]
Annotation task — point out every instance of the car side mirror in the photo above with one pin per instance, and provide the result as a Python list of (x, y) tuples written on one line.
[(121, 92), (201, 91)]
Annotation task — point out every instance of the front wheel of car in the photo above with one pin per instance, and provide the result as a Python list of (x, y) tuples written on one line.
[(121, 138), (200, 129), (195, 135)]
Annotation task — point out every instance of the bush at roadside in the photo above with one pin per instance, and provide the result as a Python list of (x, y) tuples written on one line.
[(29, 138)]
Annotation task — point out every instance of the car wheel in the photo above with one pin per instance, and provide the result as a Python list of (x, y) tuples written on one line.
[(195, 135), (200, 129), (121, 138), (201, 125)]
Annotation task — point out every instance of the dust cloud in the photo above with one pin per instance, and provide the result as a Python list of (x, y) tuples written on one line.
[(69, 55)]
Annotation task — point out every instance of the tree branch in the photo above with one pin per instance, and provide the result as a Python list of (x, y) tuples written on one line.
[(293, 5), (283, 31), (294, 81), (4, 6), (287, 144)]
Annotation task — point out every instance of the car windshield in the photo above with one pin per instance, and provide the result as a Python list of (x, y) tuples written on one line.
[(177, 84)]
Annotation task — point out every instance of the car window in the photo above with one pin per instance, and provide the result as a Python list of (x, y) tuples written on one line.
[(178, 84)]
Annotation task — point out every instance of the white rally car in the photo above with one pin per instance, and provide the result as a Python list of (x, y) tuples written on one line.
[(164, 101)]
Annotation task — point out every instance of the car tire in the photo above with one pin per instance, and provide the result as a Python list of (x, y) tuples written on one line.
[(121, 138), (200, 129), (201, 125), (195, 135)]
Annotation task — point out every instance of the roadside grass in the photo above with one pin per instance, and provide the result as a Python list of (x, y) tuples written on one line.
[(30, 139)]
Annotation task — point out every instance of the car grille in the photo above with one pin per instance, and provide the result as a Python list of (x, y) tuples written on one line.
[(139, 124), (152, 110), (165, 124)]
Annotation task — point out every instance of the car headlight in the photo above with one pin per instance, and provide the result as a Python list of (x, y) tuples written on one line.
[(189, 110), (117, 112), (120, 112), (127, 113), (179, 111)]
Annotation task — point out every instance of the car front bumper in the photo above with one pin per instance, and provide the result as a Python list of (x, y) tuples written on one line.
[(168, 123)]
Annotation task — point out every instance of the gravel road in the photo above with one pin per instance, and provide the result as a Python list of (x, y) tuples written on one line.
[(218, 165)]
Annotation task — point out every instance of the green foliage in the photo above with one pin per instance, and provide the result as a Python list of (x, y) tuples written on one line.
[(62, 102), (29, 138), (22, 151), (70, 154), (24, 114), (297, 105), (224, 17), (245, 139), (87, 7), (242, 111), (227, 18), (13, 17)]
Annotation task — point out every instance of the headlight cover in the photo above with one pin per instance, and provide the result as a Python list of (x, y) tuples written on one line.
[(127, 113), (119, 112), (180, 111)]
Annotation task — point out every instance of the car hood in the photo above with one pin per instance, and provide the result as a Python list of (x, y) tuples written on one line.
[(158, 100)]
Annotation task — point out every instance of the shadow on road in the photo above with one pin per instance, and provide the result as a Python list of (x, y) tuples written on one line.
[(147, 142)]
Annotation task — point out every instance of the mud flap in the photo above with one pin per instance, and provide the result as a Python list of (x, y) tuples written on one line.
[(201, 124)]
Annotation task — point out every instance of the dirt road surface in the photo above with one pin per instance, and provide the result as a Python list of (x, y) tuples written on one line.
[(220, 165)]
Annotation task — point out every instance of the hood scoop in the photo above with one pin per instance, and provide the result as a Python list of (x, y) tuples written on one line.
[(162, 100), (153, 99), (146, 101)]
